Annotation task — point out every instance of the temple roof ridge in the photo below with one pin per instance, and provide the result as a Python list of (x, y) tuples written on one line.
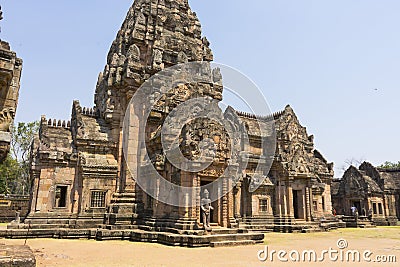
[(249, 115), (58, 123)]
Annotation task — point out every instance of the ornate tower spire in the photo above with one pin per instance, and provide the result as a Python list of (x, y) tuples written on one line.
[(155, 34)]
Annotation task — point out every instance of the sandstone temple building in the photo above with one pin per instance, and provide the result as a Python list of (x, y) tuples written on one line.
[(79, 172), (374, 192)]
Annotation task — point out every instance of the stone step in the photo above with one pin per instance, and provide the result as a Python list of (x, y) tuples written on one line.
[(47, 221), (123, 201), (120, 227), (257, 220), (102, 235), (367, 226), (38, 226), (222, 231), (193, 240), (305, 223), (312, 230), (260, 228), (125, 194), (232, 243), (215, 225), (138, 236), (231, 237), (65, 233)]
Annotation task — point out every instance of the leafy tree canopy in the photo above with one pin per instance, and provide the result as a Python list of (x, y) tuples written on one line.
[(14, 171), (390, 165)]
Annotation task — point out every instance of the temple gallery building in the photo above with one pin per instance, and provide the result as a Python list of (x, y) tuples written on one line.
[(80, 175)]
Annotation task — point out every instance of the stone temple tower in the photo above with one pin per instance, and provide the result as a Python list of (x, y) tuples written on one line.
[(155, 35), (82, 176), (78, 166)]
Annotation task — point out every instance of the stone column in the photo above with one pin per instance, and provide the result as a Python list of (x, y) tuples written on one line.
[(231, 213), (195, 198), (198, 199), (35, 190), (237, 194), (386, 205), (219, 208), (304, 202), (285, 200), (279, 201), (225, 207), (308, 203), (290, 199), (188, 179)]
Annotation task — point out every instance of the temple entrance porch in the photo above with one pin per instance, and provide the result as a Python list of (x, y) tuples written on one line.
[(216, 212)]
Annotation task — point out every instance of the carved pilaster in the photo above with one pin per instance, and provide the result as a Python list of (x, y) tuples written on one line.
[(308, 204), (237, 193)]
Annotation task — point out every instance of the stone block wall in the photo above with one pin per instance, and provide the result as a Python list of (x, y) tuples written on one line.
[(51, 179), (10, 204)]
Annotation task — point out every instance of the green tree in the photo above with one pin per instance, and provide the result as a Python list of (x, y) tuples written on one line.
[(390, 165), (9, 172), (14, 171), (22, 137)]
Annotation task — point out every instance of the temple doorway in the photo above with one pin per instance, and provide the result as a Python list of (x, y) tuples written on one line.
[(214, 213), (357, 204), (298, 206)]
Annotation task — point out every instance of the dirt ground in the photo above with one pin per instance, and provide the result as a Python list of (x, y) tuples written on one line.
[(382, 241)]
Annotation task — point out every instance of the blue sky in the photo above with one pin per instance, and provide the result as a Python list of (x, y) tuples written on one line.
[(324, 58)]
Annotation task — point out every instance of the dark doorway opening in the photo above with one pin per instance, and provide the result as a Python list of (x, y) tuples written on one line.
[(298, 206), (357, 204), (295, 204), (61, 196)]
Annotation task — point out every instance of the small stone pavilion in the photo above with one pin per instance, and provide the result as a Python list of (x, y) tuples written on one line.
[(80, 178), (374, 192)]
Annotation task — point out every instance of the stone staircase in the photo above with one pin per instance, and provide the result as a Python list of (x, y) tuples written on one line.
[(218, 237), (232, 243), (170, 225), (289, 224), (260, 224), (123, 211), (385, 221), (58, 221), (332, 223), (362, 222), (302, 226)]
